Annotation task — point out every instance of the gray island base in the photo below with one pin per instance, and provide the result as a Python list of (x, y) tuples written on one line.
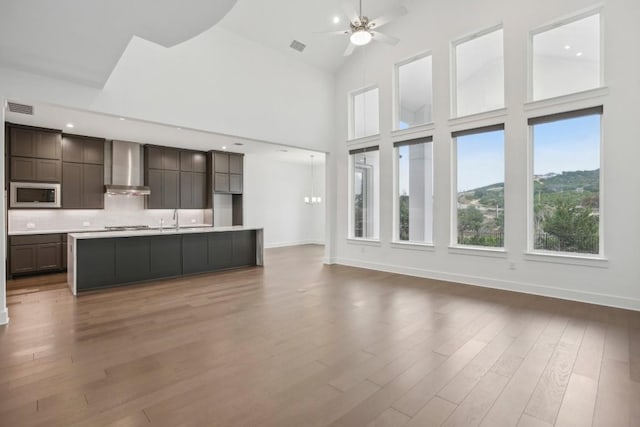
[(107, 259)]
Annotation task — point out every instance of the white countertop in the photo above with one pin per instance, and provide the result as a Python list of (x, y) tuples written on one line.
[(84, 230), (159, 232)]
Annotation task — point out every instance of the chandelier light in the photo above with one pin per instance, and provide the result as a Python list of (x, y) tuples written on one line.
[(312, 199)]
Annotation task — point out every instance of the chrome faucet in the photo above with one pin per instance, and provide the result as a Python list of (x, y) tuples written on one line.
[(176, 217)]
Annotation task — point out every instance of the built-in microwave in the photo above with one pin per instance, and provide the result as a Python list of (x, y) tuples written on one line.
[(34, 195)]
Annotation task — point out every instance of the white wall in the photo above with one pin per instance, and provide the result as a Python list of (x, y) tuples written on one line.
[(432, 25), (274, 194), (217, 82)]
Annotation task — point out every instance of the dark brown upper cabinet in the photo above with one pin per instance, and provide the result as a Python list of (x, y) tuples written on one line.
[(32, 169), (82, 186), (36, 143), (193, 161), (227, 172), (162, 175), (165, 189), (81, 149), (235, 163), (192, 190), (164, 158), (193, 167), (82, 172), (34, 154)]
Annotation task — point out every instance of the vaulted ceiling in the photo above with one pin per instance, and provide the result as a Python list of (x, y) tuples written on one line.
[(83, 40)]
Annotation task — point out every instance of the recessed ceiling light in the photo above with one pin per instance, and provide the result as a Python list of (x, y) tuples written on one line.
[(567, 47), (179, 128), (336, 19), (579, 54), (70, 125), (122, 118), (224, 147)]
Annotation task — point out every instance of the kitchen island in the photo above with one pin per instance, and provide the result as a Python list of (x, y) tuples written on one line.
[(106, 259)]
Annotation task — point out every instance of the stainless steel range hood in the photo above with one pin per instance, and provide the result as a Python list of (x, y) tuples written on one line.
[(126, 169)]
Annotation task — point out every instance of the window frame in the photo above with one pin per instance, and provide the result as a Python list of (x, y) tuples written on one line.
[(396, 188), (453, 240), (396, 90), (563, 115), (559, 22), (350, 194), (453, 67), (352, 112)]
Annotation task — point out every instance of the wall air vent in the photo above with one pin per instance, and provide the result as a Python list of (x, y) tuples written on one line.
[(14, 107), (296, 45)]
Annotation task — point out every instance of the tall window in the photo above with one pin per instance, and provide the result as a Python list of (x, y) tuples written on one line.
[(479, 73), (364, 113), (414, 191), (480, 186), (566, 181), (566, 58), (414, 92), (365, 191)]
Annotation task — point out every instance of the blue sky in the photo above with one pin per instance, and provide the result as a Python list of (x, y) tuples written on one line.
[(562, 146), (568, 145), (480, 160)]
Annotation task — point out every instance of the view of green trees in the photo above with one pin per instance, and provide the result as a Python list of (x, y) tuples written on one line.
[(566, 213)]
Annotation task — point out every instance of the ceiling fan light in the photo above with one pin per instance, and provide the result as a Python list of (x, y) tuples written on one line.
[(361, 37)]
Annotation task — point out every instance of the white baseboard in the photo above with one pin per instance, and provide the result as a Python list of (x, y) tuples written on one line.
[(298, 243), (527, 288), (4, 316)]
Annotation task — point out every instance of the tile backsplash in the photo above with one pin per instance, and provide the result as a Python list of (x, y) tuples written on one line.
[(118, 210)]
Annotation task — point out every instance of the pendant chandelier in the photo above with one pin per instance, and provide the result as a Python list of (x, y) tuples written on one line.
[(312, 199)]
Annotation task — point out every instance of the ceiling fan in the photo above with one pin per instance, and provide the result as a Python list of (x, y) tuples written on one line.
[(362, 29)]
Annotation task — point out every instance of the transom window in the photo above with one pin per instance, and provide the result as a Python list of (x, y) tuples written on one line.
[(478, 73), (566, 58), (364, 113), (414, 92)]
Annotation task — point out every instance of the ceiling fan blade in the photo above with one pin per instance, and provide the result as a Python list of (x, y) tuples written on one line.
[(349, 49), (351, 13), (332, 33), (385, 19), (377, 36)]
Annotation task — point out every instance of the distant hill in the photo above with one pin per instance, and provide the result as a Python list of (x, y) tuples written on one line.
[(570, 181), (580, 184)]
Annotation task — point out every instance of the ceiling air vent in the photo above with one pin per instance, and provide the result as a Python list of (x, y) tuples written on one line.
[(296, 45), (14, 107)]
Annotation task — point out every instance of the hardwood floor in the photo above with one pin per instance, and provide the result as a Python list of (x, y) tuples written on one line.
[(297, 343)]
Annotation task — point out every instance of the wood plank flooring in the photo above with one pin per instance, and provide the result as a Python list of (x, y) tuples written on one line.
[(297, 343)]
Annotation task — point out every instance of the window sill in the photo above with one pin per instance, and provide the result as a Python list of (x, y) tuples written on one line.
[(478, 251), (399, 133), (415, 246), (568, 259), (562, 100), (478, 117), (363, 140), (365, 242)]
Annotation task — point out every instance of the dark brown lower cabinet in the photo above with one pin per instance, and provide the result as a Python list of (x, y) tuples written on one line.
[(37, 254)]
